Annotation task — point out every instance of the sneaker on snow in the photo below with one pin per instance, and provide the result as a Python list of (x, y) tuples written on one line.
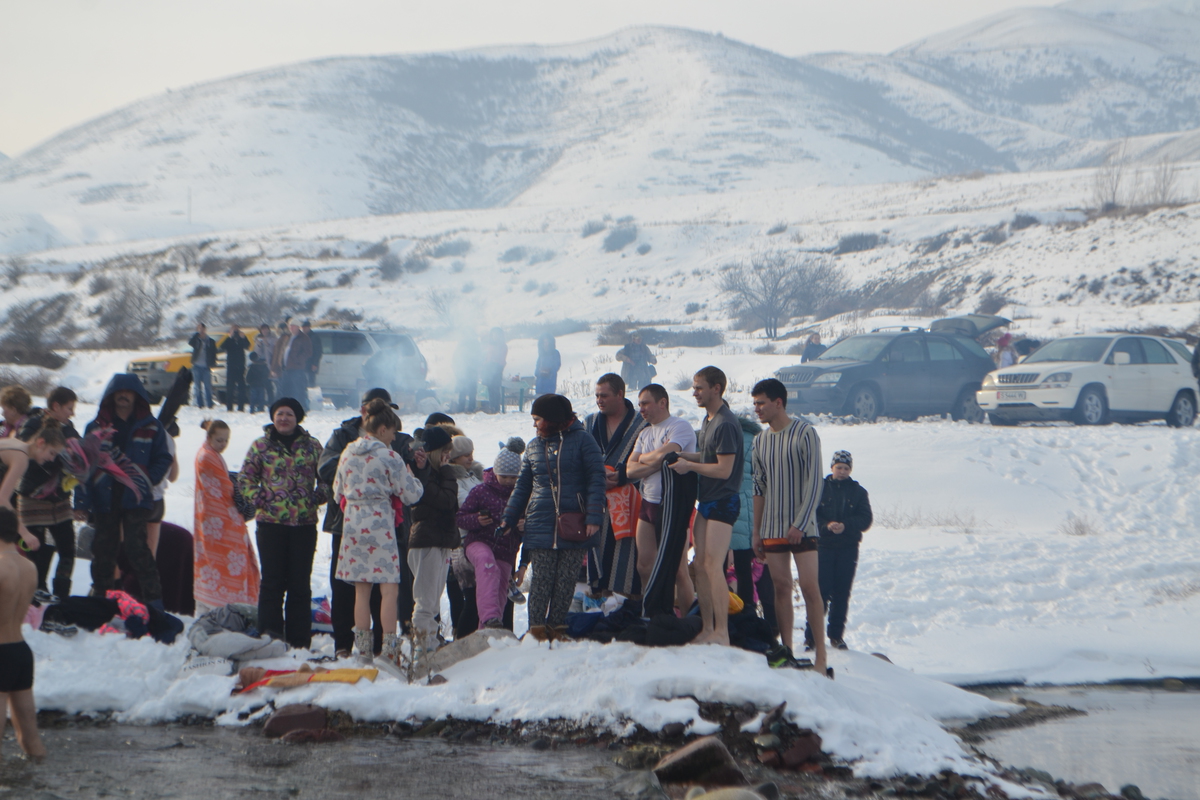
[(514, 592), (839, 644), (59, 628), (43, 598)]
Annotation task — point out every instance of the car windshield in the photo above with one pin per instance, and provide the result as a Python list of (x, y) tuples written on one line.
[(1085, 348), (856, 348)]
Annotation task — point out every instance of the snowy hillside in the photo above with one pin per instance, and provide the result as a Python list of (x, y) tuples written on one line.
[(936, 246), (644, 113)]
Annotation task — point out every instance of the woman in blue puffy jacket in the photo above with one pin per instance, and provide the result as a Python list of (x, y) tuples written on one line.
[(562, 473)]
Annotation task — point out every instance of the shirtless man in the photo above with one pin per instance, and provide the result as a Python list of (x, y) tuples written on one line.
[(719, 467), (18, 580)]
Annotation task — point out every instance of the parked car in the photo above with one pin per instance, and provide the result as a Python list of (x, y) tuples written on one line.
[(157, 370), (901, 372), (1093, 380), (353, 361)]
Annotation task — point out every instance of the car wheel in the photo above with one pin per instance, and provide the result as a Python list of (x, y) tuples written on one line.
[(1004, 422), (967, 408), (865, 403), (1183, 411), (1092, 407)]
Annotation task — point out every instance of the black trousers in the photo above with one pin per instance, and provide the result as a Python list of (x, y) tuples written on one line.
[(286, 553), (236, 392), (341, 606), (64, 544), (766, 596), (109, 527), (464, 613), (837, 567), (679, 498)]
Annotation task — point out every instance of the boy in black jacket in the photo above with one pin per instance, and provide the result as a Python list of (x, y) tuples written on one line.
[(844, 513)]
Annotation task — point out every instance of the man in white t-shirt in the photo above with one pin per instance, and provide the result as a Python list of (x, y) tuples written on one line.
[(665, 434)]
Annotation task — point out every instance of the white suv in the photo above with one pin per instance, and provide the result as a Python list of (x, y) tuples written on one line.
[(1092, 380)]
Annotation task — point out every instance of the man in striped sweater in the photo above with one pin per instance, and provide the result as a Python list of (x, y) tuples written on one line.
[(788, 481)]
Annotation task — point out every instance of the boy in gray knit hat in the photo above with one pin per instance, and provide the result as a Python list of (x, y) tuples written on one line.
[(844, 513)]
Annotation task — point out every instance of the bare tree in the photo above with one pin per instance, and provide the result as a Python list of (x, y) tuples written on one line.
[(33, 328), (14, 270), (1164, 183), (1106, 185), (443, 303), (133, 314), (774, 287)]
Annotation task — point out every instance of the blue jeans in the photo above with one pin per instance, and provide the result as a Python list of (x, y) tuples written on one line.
[(202, 384), (258, 398), (295, 385)]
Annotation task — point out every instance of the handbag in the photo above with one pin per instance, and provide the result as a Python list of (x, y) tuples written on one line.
[(571, 526)]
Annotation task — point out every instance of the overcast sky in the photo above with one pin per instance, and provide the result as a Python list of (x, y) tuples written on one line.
[(66, 61)]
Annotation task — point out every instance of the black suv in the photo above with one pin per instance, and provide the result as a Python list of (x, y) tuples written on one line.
[(901, 372)]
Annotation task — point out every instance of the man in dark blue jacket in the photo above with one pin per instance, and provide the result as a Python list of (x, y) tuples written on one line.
[(204, 358), (235, 346), (844, 513), (125, 408)]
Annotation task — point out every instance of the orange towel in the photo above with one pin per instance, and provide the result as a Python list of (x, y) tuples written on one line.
[(624, 505)]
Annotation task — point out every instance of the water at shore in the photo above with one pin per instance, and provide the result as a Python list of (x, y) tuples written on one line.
[(1131, 735)]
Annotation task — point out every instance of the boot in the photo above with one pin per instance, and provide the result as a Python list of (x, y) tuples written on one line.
[(363, 646), (389, 659)]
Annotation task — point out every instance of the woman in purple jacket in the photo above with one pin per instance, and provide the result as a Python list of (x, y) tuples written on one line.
[(492, 551)]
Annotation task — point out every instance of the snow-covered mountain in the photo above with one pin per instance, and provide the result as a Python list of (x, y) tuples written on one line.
[(1054, 86), (647, 112)]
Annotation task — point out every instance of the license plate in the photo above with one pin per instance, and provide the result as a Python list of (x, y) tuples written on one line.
[(794, 394), (1010, 395)]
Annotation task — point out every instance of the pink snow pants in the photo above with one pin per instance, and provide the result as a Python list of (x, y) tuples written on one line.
[(491, 581)]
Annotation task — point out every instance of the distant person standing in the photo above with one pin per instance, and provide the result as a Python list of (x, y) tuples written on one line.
[(718, 464), (295, 364), (842, 517), (276, 362), (814, 348), (204, 358), (1006, 355), (258, 382), (264, 348), (235, 346), (545, 372), (495, 357), (637, 362), (466, 371), (18, 582), (318, 350), (787, 491)]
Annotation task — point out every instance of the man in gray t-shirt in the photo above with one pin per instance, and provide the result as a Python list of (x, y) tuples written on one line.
[(719, 467)]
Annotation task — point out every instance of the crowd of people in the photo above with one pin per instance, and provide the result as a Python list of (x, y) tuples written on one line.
[(614, 501)]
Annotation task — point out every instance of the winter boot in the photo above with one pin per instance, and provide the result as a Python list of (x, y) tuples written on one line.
[(389, 659), (363, 646)]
